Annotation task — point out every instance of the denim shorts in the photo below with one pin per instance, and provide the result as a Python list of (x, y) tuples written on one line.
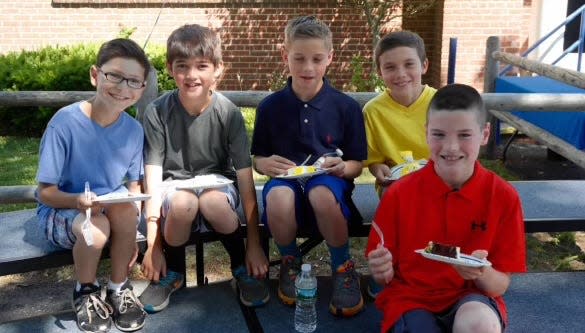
[(59, 227), (305, 216), (58, 224), (199, 224), (425, 321)]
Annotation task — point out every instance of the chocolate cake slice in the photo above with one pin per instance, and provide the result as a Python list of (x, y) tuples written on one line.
[(443, 250)]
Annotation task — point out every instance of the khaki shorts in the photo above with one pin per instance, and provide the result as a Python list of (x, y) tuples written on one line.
[(199, 224)]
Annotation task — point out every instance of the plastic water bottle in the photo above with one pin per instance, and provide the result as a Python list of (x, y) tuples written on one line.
[(306, 290)]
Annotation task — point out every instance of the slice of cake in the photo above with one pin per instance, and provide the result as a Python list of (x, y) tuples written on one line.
[(299, 170), (443, 250)]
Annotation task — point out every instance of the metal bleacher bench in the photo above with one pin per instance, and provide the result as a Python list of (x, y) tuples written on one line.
[(549, 206)]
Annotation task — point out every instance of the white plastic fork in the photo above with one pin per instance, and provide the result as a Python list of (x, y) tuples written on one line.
[(86, 226), (378, 231), (306, 160)]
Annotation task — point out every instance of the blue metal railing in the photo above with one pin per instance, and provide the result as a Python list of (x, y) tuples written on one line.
[(579, 44)]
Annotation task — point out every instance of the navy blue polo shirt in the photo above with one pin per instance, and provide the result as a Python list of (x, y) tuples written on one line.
[(291, 128)]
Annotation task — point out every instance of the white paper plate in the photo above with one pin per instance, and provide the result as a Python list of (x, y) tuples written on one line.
[(196, 184), (304, 175), (121, 197), (464, 259)]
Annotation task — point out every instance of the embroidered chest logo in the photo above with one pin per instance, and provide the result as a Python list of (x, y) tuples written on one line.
[(478, 225), (329, 139)]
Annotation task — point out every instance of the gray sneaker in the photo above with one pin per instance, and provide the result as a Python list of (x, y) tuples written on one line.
[(156, 296), (253, 292), (92, 313), (347, 299), (128, 314), (289, 269)]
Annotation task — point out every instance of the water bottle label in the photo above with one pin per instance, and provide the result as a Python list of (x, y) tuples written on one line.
[(306, 293)]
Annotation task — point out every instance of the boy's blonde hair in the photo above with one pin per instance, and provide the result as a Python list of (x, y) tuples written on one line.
[(307, 27), (397, 39), (459, 97), (193, 40)]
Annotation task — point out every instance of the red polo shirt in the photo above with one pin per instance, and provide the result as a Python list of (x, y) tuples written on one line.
[(484, 214)]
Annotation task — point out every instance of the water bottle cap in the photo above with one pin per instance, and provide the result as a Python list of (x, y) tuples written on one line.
[(306, 267)]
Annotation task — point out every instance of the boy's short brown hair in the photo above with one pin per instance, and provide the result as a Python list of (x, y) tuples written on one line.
[(400, 38), (122, 48), (459, 97), (193, 40), (307, 27)]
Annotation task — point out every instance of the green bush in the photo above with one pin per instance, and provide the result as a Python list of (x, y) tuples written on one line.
[(362, 80), (54, 68)]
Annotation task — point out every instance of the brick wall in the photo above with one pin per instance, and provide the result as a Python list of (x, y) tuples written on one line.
[(252, 31), (472, 22)]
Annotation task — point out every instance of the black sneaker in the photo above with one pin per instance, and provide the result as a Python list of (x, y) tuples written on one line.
[(156, 296), (92, 312), (346, 299), (289, 269), (128, 314), (253, 292)]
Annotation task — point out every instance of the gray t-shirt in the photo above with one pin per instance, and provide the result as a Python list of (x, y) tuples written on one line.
[(186, 146)]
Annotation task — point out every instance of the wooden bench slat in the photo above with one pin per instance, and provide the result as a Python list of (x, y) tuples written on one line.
[(549, 206)]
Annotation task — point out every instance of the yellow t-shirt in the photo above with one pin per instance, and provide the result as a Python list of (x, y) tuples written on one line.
[(392, 127)]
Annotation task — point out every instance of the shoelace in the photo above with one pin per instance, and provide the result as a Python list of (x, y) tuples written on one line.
[(129, 300), (349, 275), (101, 308)]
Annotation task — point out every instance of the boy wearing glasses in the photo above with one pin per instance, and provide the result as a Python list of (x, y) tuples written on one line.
[(95, 142), (193, 132)]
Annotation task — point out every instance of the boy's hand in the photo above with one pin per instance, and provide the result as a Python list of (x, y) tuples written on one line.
[(382, 174), (83, 203), (335, 165), (154, 264), (472, 273), (256, 262), (380, 264), (273, 166)]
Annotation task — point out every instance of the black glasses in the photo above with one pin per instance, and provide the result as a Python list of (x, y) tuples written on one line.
[(117, 78)]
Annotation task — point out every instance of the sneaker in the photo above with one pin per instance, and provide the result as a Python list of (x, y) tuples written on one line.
[(156, 296), (347, 297), (92, 312), (253, 292), (289, 269), (373, 288), (128, 314)]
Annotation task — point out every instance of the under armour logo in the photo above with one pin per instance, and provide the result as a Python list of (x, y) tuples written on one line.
[(479, 225)]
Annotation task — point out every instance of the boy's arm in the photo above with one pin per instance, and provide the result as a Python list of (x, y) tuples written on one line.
[(50, 195), (256, 261), (154, 262), (345, 169), (491, 281), (134, 187), (380, 265), (272, 166), (381, 172)]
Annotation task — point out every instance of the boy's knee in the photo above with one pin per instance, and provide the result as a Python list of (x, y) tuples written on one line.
[(476, 317), (216, 203), (100, 229), (320, 192), (280, 194), (321, 198)]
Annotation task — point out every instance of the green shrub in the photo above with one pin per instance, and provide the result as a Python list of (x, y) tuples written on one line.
[(361, 80), (54, 68)]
